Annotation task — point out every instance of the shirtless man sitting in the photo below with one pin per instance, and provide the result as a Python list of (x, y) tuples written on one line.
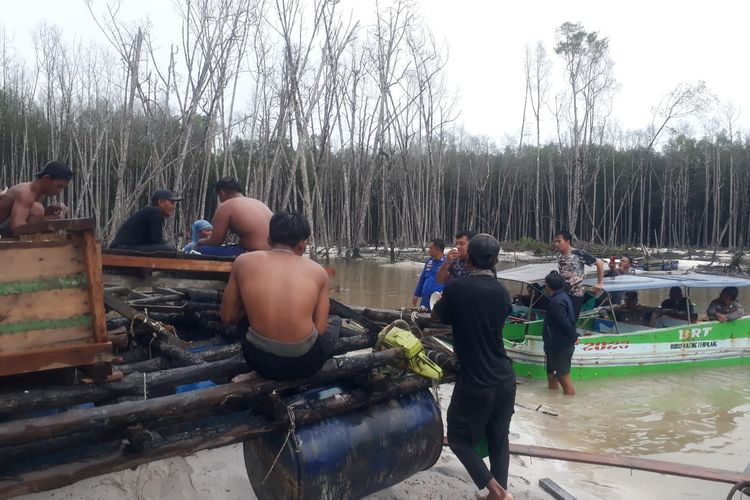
[(22, 203), (247, 217), (285, 299)]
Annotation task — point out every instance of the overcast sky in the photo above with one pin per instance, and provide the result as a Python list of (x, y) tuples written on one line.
[(654, 44)]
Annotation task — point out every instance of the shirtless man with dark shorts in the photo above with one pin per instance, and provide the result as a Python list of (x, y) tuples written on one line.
[(22, 203), (247, 217), (285, 299)]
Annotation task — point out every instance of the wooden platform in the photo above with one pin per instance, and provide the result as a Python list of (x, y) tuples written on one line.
[(51, 299)]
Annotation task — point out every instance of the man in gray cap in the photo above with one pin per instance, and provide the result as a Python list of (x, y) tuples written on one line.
[(143, 231), (476, 306)]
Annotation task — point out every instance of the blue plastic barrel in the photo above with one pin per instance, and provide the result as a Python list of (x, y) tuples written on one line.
[(348, 456)]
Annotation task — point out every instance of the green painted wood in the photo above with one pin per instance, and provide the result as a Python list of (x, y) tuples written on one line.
[(19, 287), (46, 324)]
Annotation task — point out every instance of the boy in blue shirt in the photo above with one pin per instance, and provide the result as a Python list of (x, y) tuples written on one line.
[(427, 284)]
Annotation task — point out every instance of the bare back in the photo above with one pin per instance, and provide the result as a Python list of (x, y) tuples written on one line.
[(18, 204), (248, 218), (283, 294)]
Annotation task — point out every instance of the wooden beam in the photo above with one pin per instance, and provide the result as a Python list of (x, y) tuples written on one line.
[(165, 263), (56, 225), (62, 357), (92, 260), (555, 489), (637, 463)]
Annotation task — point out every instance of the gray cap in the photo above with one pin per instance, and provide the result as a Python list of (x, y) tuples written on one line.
[(483, 250)]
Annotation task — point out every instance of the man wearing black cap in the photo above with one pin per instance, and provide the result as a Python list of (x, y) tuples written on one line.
[(476, 306), (143, 231), (22, 203)]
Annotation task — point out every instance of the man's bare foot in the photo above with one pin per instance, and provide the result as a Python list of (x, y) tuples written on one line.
[(244, 377), (493, 496)]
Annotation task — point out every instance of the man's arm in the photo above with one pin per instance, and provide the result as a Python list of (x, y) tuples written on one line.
[(443, 274), (599, 275), (420, 286), (221, 228), (737, 313), (232, 309), (711, 311), (156, 228), (320, 314), (441, 311), (19, 216)]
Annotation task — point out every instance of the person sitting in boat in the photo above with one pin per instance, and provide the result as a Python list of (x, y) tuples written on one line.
[(22, 203), (244, 216), (559, 335), (200, 229), (144, 230), (456, 259), (631, 311), (282, 299), (534, 297), (625, 266), (427, 284), (676, 306), (726, 308)]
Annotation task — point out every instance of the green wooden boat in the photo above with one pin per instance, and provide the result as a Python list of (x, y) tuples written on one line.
[(610, 348)]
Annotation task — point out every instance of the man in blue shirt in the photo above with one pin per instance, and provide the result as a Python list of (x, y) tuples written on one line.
[(427, 284)]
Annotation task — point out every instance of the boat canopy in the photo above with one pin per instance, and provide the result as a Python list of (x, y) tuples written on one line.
[(533, 273), (646, 282)]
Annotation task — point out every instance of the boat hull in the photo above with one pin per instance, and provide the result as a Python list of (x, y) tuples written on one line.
[(597, 355)]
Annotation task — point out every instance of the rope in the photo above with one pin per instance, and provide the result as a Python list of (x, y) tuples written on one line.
[(289, 433)]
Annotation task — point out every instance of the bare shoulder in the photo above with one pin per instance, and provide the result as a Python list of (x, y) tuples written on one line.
[(316, 270), (246, 260)]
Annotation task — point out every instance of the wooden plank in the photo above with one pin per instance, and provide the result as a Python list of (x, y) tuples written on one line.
[(18, 287), (63, 357), (57, 225), (165, 263), (44, 305), (36, 260), (627, 462), (40, 339), (555, 489), (45, 324), (93, 262)]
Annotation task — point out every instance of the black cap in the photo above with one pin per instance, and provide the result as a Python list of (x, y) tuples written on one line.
[(483, 250), (55, 170), (164, 194)]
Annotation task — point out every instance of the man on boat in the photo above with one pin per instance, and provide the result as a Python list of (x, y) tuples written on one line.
[(559, 335), (625, 266), (245, 216), (571, 263), (476, 306), (455, 262), (633, 312), (282, 298), (676, 306), (427, 284), (144, 230), (22, 203), (726, 308)]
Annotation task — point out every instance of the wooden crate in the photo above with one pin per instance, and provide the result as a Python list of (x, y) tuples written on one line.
[(51, 300)]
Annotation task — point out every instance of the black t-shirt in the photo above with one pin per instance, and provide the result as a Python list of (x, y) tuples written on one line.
[(142, 228), (476, 307)]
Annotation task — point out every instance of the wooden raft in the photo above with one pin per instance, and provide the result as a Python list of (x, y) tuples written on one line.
[(51, 300)]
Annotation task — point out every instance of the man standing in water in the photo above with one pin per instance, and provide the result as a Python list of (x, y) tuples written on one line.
[(559, 335), (22, 203), (247, 217), (571, 263), (476, 306), (285, 299), (455, 261)]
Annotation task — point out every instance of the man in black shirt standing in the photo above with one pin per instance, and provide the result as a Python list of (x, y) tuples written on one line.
[(476, 306), (143, 231)]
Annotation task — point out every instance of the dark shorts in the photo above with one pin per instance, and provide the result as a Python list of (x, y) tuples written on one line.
[(558, 363), (275, 367)]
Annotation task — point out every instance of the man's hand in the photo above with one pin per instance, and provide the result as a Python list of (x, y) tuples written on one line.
[(452, 254), (598, 287), (56, 210), (721, 317), (414, 301)]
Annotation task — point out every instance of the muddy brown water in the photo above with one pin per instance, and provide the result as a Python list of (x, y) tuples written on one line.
[(695, 416)]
